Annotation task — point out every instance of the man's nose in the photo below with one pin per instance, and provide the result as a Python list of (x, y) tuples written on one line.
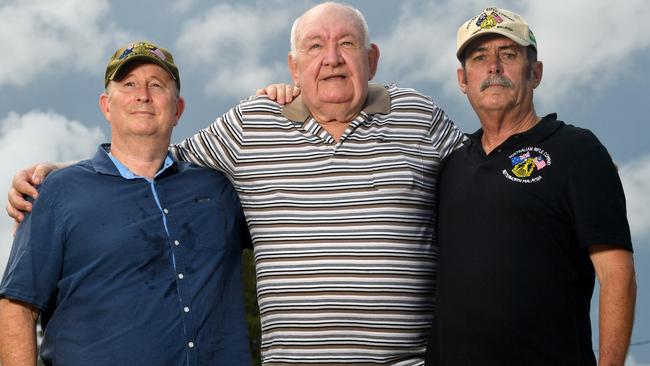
[(494, 65), (333, 55), (143, 94)]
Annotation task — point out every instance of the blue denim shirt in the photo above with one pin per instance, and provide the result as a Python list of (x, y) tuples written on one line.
[(130, 271)]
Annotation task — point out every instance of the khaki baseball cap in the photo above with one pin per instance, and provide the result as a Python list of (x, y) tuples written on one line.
[(495, 20), (144, 52)]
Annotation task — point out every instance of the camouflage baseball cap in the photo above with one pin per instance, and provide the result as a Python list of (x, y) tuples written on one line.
[(144, 52)]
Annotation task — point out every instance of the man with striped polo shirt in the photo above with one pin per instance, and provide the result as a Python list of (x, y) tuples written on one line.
[(338, 189)]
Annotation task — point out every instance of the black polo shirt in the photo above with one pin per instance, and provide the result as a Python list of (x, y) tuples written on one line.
[(514, 227)]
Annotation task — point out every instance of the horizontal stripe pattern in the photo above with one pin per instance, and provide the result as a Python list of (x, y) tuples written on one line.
[(343, 232)]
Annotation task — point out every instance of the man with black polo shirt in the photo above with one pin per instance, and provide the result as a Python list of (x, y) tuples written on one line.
[(528, 209)]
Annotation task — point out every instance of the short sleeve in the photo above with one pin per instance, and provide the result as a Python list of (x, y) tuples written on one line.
[(445, 135), (597, 200), (216, 146), (36, 258)]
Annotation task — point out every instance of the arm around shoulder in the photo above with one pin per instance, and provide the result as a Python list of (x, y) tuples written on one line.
[(24, 184)]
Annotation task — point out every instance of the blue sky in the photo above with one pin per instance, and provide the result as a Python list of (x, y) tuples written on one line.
[(54, 55)]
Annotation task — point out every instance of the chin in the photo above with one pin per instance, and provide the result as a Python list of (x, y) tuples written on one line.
[(335, 97), (334, 101)]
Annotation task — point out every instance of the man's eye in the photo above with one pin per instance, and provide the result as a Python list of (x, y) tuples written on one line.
[(129, 84), (479, 58), (314, 46), (347, 44)]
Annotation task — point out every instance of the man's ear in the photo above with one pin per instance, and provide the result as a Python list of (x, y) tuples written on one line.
[(536, 73), (104, 106), (373, 60), (293, 68), (180, 108), (462, 79)]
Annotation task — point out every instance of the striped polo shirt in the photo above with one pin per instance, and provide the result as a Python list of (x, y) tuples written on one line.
[(343, 232)]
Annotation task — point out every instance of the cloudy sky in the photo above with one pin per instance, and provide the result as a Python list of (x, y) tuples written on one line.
[(54, 52)]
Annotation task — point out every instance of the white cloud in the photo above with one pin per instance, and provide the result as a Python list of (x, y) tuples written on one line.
[(421, 46), (636, 183), (233, 41), (182, 6), (42, 37), (33, 137), (586, 44), (579, 42)]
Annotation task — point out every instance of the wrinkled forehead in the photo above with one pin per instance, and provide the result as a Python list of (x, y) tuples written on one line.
[(329, 23)]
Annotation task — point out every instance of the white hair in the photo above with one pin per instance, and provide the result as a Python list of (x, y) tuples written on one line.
[(355, 13)]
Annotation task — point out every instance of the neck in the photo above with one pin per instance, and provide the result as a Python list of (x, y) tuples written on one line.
[(142, 159), (334, 117), (334, 128), (498, 126)]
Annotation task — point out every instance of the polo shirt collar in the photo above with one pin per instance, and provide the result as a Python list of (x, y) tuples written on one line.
[(545, 127), (105, 163), (377, 102), (102, 163)]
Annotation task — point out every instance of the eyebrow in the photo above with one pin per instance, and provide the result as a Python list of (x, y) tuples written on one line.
[(306, 40), (319, 37), (500, 48), (130, 75)]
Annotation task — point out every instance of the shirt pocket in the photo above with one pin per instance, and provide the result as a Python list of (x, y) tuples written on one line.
[(206, 224), (401, 170)]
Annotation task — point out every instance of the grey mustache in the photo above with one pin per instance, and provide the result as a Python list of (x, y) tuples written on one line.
[(496, 80)]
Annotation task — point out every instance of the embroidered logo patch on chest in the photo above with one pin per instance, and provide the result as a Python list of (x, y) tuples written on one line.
[(527, 164)]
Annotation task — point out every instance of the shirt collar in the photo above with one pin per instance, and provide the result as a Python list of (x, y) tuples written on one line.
[(104, 162), (377, 102), (545, 127)]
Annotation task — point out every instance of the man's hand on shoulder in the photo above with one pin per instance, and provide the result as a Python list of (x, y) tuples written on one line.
[(280, 93), (24, 184)]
